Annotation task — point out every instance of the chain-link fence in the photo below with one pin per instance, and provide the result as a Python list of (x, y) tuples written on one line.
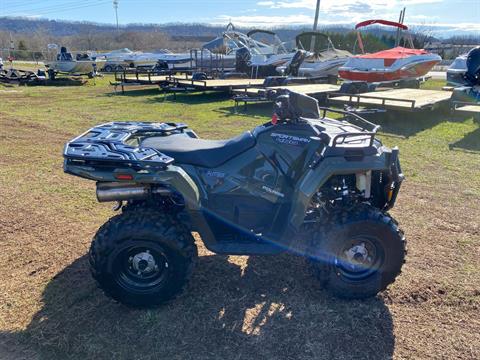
[(23, 55)]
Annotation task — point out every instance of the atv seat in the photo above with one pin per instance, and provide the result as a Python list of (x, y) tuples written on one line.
[(198, 152)]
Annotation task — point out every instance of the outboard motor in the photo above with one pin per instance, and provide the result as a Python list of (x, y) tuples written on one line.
[(472, 76), (291, 71), (294, 66), (471, 92), (243, 59), (161, 65), (199, 76)]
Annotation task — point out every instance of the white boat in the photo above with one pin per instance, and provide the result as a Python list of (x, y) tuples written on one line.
[(322, 59), (126, 58), (150, 59), (457, 70), (267, 57), (115, 59), (245, 54), (65, 63)]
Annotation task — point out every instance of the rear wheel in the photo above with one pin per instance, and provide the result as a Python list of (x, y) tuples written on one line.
[(108, 68), (360, 253), (142, 258)]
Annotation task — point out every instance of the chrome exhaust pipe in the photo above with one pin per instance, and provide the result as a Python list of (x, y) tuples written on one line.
[(110, 192)]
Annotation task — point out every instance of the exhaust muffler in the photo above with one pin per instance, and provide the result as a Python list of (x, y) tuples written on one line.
[(114, 191)]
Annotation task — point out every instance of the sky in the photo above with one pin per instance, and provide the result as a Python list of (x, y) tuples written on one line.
[(448, 16)]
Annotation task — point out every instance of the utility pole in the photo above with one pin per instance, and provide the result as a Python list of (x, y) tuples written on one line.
[(115, 6), (315, 25)]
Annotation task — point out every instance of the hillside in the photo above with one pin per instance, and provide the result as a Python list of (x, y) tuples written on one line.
[(65, 28)]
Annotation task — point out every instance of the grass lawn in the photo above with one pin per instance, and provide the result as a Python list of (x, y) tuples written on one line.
[(235, 307)]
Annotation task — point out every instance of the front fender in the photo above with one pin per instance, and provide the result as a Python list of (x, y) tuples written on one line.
[(315, 177)]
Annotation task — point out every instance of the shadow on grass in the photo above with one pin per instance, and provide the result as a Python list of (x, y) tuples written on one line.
[(252, 109), (407, 124), (148, 91), (192, 98), (471, 142), (271, 309), (65, 81)]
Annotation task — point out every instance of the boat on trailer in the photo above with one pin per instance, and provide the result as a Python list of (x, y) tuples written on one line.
[(266, 56), (66, 63), (322, 58), (387, 66)]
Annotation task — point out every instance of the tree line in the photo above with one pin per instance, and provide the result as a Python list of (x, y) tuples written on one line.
[(33, 45)]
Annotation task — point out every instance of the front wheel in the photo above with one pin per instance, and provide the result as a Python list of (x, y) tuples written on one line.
[(142, 258), (360, 252)]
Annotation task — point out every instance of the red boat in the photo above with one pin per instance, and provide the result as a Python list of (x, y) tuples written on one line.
[(399, 63)]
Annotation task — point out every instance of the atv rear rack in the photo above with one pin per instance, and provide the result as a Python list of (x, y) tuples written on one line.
[(367, 130), (115, 145)]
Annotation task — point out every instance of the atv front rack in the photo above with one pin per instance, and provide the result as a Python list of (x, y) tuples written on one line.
[(115, 144)]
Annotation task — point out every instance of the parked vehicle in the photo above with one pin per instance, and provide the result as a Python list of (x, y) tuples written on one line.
[(387, 66), (303, 183)]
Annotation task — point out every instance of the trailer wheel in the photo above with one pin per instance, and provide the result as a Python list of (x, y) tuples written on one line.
[(360, 253), (354, 88), (142, 258), (410, 84), (108, 68)]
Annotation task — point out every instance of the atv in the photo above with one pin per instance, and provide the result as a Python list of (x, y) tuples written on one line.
[(303, 183)]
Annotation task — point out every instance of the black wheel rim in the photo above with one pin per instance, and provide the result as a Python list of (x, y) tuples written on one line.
[(359, 258), (141, 267)]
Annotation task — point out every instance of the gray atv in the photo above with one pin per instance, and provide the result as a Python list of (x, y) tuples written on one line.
[(303, 183)]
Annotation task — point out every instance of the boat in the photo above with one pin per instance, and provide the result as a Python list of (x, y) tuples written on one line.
[(245, 54), (115, 59), (456, 71), (322, 58), (468, 93), (396, 64), (65, 63), (171, 60), (221, 51), (118, 60), (266, 57)]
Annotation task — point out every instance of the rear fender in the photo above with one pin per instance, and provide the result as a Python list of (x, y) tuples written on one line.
[(172, 176), (178, 179)]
